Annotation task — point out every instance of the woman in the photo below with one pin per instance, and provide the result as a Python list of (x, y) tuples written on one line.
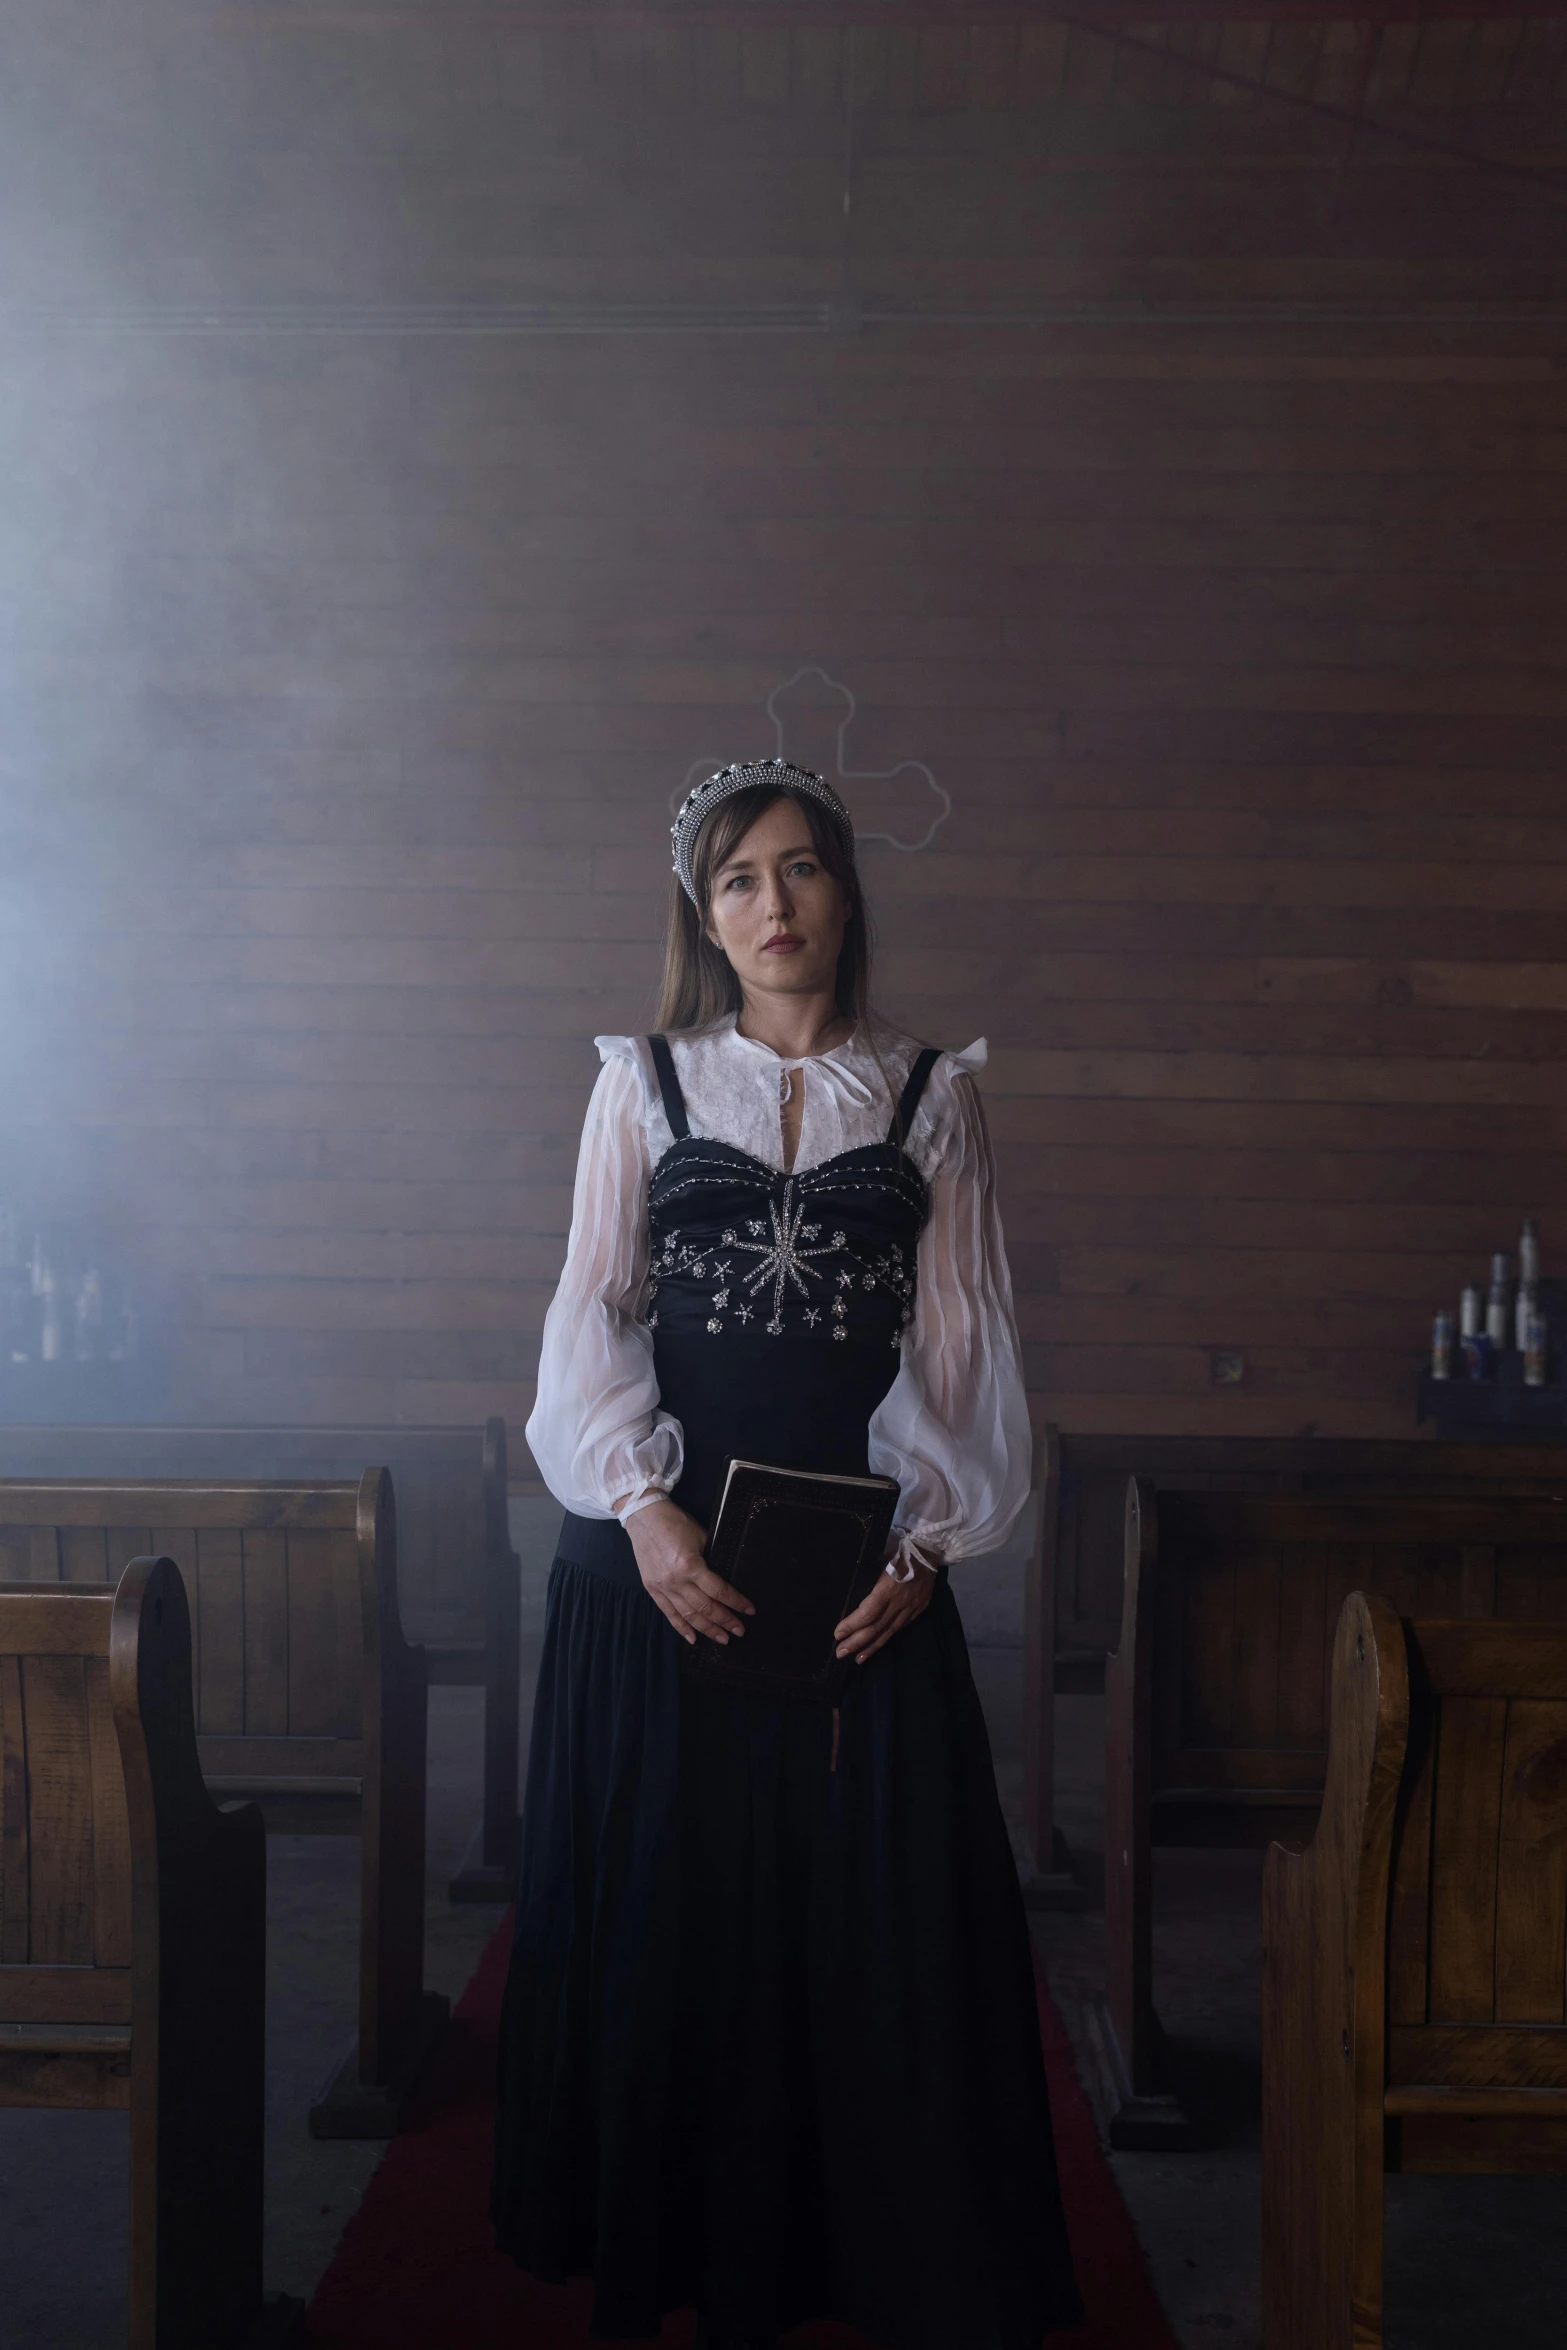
[(770, 2043)]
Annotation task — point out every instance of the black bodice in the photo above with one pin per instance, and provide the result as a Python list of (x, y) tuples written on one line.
[(777, 1302), (737, 1247)]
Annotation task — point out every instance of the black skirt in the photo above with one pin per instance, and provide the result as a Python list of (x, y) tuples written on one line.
[(770, 2043)]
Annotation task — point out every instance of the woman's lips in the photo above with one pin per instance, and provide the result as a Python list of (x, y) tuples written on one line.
[(785, 944)]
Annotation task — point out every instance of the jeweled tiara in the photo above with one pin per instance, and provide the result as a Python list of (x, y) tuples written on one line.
[(747, 775)]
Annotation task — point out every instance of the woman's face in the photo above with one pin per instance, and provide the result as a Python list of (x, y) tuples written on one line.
[(776, 912)]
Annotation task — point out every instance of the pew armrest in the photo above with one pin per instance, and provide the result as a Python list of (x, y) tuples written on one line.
[(1324, 1940), (197, 2060)]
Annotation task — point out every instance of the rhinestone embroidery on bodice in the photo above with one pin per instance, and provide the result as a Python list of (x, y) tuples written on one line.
[(736, 1245)]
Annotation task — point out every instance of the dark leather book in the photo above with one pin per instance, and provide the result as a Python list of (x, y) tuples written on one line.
[(806, 1549)]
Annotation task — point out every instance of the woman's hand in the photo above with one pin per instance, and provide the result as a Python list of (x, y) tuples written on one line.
[(669, 1546), (888, 1608)]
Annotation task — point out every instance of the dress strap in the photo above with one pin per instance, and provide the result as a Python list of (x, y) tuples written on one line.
[(903, 1115), (669, 1087)]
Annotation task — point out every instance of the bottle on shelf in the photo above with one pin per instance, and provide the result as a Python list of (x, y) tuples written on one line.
[(1473, 1342), (1442, 1347), (16, 1296), (1534, 1356), (89, 1316), (1528, 1283), (50, 1333), (1497, 1302), (127, 1334)]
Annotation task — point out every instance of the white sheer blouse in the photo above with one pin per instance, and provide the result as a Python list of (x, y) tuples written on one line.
[(953, 1428)]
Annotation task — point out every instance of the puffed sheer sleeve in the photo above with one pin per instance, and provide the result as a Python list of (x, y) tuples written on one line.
[(596, 1429), (953, 1428)]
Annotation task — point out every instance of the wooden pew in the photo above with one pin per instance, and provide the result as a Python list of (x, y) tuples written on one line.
[(308, 1700), (1073, 1603), (458, 1574), (133, 1940), (1216, 1709), (1413, 1956)]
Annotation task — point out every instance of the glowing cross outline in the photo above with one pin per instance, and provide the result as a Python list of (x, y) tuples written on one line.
[(910, 848)]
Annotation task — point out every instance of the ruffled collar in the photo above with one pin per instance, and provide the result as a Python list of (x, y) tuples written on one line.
[(734, 1086), (831, 1066)]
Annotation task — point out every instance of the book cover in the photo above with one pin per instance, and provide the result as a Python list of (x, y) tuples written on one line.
[(805, 1549)]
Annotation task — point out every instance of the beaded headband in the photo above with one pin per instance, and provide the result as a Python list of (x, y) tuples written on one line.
[(747, 775)]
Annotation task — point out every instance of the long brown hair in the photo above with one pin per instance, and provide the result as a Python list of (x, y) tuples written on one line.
[(700, 986)]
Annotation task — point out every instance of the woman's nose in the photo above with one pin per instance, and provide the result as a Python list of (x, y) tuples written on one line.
[(780, 905)]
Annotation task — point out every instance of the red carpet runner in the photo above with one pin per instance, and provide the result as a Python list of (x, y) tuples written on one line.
[(416, 2269)]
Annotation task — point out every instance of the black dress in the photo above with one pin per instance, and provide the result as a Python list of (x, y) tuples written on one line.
[(770, 2042)]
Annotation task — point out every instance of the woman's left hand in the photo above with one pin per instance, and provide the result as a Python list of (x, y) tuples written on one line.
[(888, 1608)]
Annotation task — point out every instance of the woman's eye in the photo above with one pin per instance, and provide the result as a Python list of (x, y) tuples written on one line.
[(805, 868)]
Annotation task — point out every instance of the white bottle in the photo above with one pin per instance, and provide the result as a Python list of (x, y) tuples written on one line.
[(49, 1334), (89, 1316), (122, 1349), (1528, 1283)]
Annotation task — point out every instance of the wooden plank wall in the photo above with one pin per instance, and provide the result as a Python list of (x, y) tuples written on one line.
[(1177, 472)]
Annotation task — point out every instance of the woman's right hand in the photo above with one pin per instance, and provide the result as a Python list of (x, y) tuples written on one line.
[(669, 1546)]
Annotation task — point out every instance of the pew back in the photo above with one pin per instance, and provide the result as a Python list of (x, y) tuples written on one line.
[(287, 1604), (458, 1578), (133, 1937), (450, 1483), (1217, 1698), (1414, 1984), (1076, 1582), (65, 1836), (1246, 1594), (307, 1697), (1476, 2050), (1088, 1500)]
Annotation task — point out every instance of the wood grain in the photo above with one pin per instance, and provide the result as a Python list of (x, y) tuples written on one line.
[(1465, 2091), (1324, 2032), (126, 1511), (1517, 2059), (59, 1810), (302, 1607), (321, 1692), (28, 1554), (111, 1828), (1465, 1826), (65, 1996), (84, 1555), (1220, 1667), (268, 1633), (14, 1903), (1409, 1900), (220, 1580), (1223, 591), (1531, 1876)]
